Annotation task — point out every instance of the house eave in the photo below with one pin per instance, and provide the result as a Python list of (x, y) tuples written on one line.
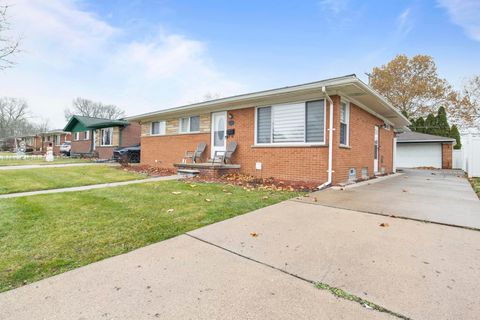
[(348, 86)]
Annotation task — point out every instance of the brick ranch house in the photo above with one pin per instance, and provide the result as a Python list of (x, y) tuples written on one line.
[(33, 142), (284, 133), (54, 138), (99, 137)]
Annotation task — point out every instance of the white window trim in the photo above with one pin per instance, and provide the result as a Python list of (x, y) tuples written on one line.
[(76, 136), (188, 131), (165, 128), (291, 144), (347, 118), (86, 136), (101, 138)]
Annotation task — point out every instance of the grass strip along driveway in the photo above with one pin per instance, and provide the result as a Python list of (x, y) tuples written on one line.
[(476, 185), (49, 234), (22, 180)]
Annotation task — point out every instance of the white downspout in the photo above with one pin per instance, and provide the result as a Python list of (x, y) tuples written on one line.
[(330, 141)]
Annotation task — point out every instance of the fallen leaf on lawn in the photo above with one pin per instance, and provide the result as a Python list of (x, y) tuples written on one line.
[(225, 190), (265, 197), (208, 200), (228, 193), (384, 224), (170, 210), (254, 234), (176, 192), (193, 185), (315, 199)]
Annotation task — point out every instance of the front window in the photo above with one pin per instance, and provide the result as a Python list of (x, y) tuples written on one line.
[(189, 124), (344, 123), (86, 135), (294, 123), (57, 140), (157, 128), (77, 136), (107, 136)]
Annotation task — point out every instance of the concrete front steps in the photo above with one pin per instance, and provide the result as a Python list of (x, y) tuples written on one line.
[(206, 169)]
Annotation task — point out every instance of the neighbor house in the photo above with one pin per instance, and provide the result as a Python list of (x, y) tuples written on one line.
[(33, 142), (99, 137), (329, 131), (415, 149), (53, 138)]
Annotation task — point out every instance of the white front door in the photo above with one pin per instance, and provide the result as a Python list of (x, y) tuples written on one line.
[(219, 132), (375, 151)]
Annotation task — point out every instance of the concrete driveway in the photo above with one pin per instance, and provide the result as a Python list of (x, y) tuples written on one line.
[(442, 196), (416, 269)]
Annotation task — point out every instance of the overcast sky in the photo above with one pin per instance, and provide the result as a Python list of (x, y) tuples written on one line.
[(149, 55)]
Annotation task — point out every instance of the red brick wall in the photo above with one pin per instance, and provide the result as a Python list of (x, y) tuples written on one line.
[(164, 151), (288, 163), (105, 152), (131, 135), (81, 146), (360, 152), (447, 154)]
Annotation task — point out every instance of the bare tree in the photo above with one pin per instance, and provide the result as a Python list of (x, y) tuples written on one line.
[(471, 98), (42, 126), (88, 108), (13, 116), (8, 45)]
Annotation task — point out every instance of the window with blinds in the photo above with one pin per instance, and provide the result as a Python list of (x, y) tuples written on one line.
[(294, 123), (344, 123), (190, 124), (157, 128)]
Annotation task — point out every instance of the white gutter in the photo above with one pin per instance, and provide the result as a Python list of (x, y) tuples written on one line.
[(330, 141)]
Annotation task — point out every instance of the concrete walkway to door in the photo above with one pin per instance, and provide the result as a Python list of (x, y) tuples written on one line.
[(440, 196)]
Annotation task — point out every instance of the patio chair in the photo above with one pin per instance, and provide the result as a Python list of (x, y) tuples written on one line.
[(194, 155), (224, 156)]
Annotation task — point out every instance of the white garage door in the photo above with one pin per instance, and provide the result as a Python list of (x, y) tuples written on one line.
[(412, 155)]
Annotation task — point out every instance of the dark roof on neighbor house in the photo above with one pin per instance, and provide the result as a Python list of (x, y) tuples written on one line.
[(82, 123), (421, 137)]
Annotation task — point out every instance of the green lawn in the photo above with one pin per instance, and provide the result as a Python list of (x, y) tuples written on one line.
[(48, 234), (58, 160), (476, 185), (22, 180)]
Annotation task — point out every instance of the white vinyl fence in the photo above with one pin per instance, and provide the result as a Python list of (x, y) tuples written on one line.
[(468, 158), (458, 159), (472, 156)]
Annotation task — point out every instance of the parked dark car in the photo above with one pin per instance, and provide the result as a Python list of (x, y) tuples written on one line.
[(127, 154)]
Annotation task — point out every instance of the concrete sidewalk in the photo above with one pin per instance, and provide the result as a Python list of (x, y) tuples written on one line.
[(60, 165), (180, 278), (90, 187)]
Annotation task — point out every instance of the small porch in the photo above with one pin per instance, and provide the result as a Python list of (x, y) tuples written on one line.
[(206, 169)]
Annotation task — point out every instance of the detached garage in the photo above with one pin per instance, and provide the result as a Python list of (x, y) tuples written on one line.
[(424, 150)]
